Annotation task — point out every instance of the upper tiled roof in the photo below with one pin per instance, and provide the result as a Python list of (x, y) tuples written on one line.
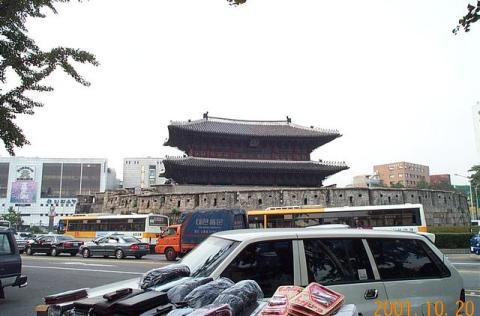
[(220, 126)]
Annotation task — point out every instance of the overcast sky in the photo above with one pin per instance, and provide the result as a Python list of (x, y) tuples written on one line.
[(389, 75)]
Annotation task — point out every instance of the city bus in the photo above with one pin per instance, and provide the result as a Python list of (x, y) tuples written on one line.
[(402, 217), (146, 227)]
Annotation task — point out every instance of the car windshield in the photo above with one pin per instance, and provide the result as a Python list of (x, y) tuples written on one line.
[(64, 238), (129, 239), (208, 255)]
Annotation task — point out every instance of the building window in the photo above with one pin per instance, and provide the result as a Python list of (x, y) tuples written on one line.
[(400, 175), (4, 169)]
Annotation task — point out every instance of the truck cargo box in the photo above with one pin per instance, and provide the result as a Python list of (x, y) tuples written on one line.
[(199, 224)]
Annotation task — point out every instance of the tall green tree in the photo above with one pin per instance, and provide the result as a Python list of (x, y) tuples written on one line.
[(422, 184), (13, 217), (472, 16), (20, 56), (475, 176), (397, 185)]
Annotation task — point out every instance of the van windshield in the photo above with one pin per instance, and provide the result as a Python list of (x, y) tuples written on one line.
[(208, 255)]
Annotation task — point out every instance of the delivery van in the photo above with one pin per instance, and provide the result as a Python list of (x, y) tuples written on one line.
[(195, 227)]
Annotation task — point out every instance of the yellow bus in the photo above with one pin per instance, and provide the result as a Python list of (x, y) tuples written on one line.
[(146, 227), (402, 217)]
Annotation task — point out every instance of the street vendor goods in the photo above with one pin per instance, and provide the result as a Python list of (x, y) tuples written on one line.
[(279, 304), (314, 300), (163, 275)]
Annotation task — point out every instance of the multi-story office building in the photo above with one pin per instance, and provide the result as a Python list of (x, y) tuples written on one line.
[(37, 187), (404, 173), (142, 172)]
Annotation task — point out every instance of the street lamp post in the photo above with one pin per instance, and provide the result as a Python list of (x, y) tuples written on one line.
[(471, 195)]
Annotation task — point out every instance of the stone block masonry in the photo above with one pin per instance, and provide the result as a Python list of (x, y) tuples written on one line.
[(441, 207)]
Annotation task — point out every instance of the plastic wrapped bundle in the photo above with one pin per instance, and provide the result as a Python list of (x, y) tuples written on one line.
[(163, 275), (207, 293), (211, 310), (241, 296), (177, 294), (180, 312)]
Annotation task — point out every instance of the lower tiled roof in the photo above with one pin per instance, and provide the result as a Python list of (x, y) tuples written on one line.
[(326, 168)]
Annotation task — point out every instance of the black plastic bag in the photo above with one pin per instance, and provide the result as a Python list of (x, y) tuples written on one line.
[(241, 296), (163, 275), (207, 293), (177, 294)]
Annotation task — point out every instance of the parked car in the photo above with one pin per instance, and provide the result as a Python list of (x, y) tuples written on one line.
[(53, 245), (116, 245), (367, 266), (25, 235), (475, 245), (21, 242), (10, 262)]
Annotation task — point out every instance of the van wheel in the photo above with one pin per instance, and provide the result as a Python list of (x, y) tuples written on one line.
[(119, 254), (86, 253), (170, 254)]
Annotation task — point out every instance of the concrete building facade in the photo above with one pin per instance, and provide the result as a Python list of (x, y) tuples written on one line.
[(405, 173), (142, 172), (36, 187), (441, 207)]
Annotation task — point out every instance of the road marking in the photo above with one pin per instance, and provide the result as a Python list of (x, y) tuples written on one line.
[(89, 264), (78, 269), (151, 261)]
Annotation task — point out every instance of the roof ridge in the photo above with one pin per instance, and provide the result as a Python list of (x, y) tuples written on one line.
[(287, 122)]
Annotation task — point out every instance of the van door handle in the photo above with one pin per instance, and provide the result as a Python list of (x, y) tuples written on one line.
[(371, 294)]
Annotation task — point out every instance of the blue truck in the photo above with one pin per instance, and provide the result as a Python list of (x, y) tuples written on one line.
[(195, 227)]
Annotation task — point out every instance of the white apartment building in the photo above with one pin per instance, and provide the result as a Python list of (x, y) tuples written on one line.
[(142, 172)]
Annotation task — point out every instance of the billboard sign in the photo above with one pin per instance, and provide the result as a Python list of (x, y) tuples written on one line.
[(23, 192), (24, 188)]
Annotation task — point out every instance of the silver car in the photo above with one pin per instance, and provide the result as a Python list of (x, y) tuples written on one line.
[(116, 245)]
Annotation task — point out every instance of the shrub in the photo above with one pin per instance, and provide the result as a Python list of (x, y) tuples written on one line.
[(453, 240)]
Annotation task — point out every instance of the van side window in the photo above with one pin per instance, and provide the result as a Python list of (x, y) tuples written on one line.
[(399, 259), (336, 261), (269, 263), (5, 247)]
